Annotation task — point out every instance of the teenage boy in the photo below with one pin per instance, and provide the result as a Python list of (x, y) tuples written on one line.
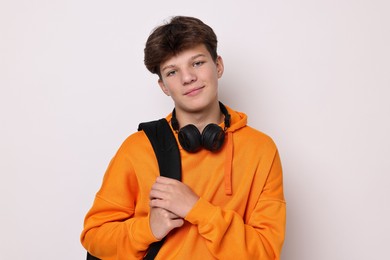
[(229, 203)]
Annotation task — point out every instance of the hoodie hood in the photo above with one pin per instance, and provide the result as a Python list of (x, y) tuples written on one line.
[(238, 120)]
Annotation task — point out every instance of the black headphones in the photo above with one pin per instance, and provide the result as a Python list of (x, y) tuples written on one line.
[(212, 136)]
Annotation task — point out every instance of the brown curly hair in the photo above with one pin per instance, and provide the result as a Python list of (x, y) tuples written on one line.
[(179, 34)]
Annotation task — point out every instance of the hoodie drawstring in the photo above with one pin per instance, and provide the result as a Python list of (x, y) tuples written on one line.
[(228, 164)]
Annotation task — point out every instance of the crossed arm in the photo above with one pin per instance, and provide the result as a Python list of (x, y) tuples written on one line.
[(170, 202)]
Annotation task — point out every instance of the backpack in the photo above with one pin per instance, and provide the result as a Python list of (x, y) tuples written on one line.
[(168, 157)]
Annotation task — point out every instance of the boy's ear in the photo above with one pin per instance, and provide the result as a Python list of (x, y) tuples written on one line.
[(220, 66), (163, 87)]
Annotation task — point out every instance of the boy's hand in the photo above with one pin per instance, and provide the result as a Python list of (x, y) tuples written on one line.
[(172, 195), (162, 222)]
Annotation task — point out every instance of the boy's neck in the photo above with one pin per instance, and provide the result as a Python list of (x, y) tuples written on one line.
[(202, 118)]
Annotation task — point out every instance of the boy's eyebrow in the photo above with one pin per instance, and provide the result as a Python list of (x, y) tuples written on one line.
[(197, 56), (192, 58), (168, 67)]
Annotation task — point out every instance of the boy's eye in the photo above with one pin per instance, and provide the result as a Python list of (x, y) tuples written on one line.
[(198, 63), (171, 73)]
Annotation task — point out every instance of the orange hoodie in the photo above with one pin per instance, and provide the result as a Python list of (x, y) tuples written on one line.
[(240, 214)]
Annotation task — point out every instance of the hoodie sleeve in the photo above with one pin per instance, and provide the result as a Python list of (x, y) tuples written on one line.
[(111, 231), (260, 236)]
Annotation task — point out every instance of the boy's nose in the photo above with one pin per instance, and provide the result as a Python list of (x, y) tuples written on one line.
[(188, 77)]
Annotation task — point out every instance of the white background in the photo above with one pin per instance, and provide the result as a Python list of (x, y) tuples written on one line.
[(314, 75)]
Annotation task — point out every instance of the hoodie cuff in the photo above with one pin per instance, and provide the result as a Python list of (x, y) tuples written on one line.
[(202, 212), (141, 232)]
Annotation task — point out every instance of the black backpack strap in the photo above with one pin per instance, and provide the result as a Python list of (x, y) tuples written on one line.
[(165, 147), (91, 257), (168, 156)]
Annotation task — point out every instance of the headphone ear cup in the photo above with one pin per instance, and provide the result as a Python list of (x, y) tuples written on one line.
[(213, 137), (190, 138)]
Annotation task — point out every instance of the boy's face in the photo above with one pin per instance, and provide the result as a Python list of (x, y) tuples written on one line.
[(191, 79)]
